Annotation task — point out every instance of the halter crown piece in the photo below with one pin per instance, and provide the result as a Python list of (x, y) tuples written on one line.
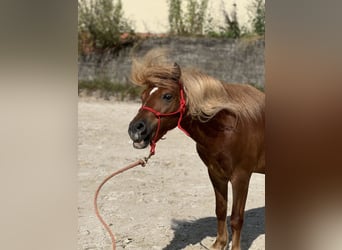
[(180, 110)]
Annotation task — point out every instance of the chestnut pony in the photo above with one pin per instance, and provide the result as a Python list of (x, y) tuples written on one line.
[(225, 120)]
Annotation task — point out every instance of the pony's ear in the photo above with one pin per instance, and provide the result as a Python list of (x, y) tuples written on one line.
[(176, 72)]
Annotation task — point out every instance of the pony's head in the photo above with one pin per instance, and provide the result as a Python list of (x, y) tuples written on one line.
[(163, 102)]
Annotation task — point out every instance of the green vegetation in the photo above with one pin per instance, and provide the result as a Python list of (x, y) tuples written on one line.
[(232, 26), (190, 22), (107, 89), (102, 27), (101, 24), (192, 18), (258, 16)]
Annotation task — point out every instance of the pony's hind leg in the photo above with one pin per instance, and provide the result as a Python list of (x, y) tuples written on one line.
[(220, 188), (240, 184)]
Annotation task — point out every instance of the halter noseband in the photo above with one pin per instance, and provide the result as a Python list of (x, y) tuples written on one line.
[(180, 110)]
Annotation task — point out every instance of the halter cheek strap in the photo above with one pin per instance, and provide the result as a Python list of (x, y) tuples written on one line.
[(180, 110)]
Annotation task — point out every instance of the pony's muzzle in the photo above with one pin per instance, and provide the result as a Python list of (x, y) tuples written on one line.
[(138, 132)]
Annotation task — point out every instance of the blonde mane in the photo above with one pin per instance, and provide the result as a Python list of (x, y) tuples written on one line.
[(205, 95)]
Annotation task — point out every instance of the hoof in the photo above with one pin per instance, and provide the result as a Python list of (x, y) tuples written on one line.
[(208, 244)]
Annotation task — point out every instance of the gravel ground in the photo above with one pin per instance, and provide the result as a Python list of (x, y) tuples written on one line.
[(168, 205)]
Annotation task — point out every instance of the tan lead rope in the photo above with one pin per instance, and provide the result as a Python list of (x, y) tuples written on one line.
[(132, 165)]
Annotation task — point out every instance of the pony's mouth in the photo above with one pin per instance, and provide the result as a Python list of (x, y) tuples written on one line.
[(140, 134), (141, 144)]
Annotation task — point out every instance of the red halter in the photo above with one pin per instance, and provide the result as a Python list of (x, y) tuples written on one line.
[(180, 110)]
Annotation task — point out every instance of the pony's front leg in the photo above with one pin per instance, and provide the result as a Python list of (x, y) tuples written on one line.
[(220, 188)]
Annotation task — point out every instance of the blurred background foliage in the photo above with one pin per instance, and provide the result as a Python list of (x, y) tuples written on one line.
[(103, 27), (102, 24)]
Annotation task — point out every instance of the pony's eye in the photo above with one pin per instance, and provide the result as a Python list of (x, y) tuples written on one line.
[(167, 97)]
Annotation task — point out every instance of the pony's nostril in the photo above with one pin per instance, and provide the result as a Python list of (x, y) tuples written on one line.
[(139, 126)]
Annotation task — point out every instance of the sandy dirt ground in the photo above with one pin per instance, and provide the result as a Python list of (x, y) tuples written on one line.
[(167, 205)]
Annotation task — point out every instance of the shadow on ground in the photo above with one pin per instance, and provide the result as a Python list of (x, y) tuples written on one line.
[(193, 232)]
